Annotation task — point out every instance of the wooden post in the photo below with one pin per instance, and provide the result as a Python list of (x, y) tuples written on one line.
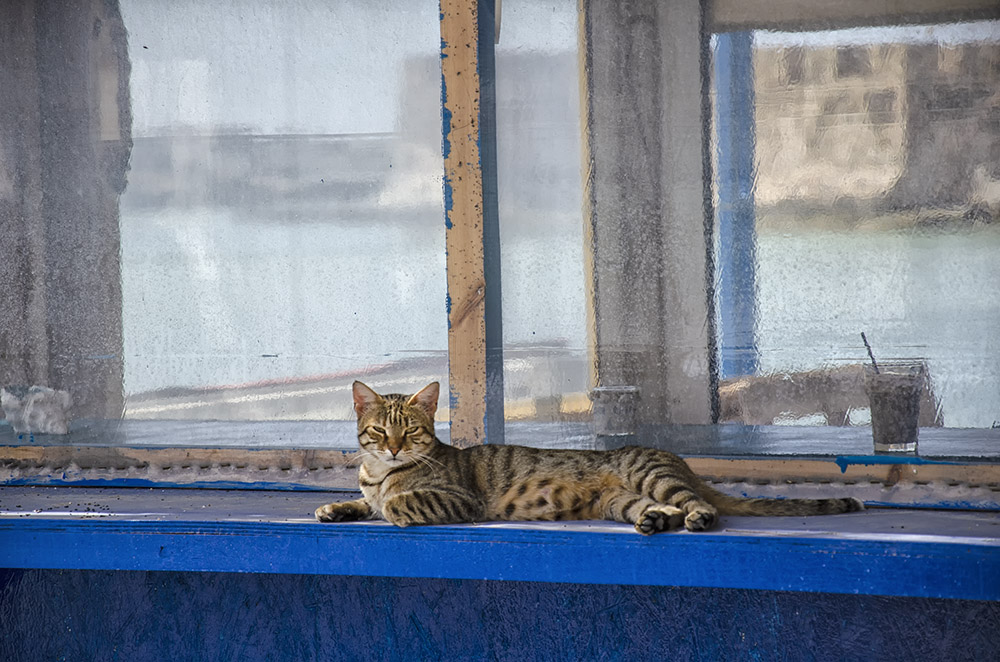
[(474, 353)]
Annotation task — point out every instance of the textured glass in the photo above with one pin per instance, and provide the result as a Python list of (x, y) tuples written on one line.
[(853, 187), (282, 227), (541, 228), (872, 205), (605, 308), (219, 211)]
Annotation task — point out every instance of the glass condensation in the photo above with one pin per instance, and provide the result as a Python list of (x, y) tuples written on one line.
[(872, 205), (281, 232), (541, 225)]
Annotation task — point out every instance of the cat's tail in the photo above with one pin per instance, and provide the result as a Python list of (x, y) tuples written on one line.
[(728, 505)]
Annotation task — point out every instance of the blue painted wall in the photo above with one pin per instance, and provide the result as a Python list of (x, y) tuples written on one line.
[(118, 615)]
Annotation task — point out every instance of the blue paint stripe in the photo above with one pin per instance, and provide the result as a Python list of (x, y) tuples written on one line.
[(844, 461), (901, 568), (987, 506), (46, 481), (446, 141)]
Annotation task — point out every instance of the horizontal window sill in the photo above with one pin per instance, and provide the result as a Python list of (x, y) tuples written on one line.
[(919, 553), (965, 444), (956, 468)]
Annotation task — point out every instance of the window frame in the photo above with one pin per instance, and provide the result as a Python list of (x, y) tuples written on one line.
[(468, 29), (473, 308)]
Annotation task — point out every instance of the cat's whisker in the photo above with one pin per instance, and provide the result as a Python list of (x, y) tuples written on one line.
[(359, 456), (421, 460), (353, 458), (429, 462)]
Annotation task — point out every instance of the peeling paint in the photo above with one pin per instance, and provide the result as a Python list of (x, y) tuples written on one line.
[(448, 202), (445, 121), (844, 461), (276, 486)]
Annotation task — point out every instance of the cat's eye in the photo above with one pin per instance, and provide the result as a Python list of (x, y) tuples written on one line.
[(374, 431), (411, 431)]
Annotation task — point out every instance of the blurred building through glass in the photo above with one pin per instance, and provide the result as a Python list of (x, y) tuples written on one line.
[(871, 194), (876, 200)]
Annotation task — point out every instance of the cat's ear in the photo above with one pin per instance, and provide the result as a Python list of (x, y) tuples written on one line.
[(426, 398), (364, 397)]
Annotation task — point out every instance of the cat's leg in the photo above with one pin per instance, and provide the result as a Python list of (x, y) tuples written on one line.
[(344, 511), (667, 480), (699, 515), (431, 507), (648, 516)]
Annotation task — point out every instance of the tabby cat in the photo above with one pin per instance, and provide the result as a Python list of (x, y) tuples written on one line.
[(408, 477)]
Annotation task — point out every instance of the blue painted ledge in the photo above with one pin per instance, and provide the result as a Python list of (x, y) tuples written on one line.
[(879, 552)]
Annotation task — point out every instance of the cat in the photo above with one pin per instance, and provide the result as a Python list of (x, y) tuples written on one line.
[(408, 477), (36, 410)]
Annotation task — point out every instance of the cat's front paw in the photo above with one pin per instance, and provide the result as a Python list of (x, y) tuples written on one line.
[(348, 511)]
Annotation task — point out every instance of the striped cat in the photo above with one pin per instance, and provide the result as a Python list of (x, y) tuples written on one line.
[(408, 477)]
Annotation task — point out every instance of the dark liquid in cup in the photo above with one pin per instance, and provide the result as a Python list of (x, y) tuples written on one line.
[(894, 398)]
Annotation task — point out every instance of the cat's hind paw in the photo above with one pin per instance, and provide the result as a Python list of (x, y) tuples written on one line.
[(700, 519), (656, 519)]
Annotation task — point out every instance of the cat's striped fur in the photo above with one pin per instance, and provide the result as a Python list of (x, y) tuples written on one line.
[(408, 477)]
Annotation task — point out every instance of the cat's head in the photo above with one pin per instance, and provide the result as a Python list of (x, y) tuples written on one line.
[(396, 429)]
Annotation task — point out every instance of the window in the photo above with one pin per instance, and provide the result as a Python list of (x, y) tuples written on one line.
[(268, 195), (700, 207), (852, 61), (817, 226), (541, 229), (795, 65), (874, 226), (879, 106)]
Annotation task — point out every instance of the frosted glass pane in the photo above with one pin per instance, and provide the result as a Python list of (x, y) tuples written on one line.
[(281, 232), (872, 205), (541, 217)]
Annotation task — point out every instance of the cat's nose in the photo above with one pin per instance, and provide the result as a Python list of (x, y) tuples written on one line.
[(394, 451)]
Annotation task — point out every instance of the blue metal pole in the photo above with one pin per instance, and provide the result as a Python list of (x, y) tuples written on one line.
[(737, 283)]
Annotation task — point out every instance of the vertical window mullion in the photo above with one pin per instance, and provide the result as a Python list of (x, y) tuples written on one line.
[(472, 236)]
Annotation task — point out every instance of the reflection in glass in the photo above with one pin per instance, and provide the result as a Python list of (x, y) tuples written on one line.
[(282, 228), (875, 195)]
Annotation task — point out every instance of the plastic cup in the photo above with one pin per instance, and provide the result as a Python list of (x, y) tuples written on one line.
[(894, 398)]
